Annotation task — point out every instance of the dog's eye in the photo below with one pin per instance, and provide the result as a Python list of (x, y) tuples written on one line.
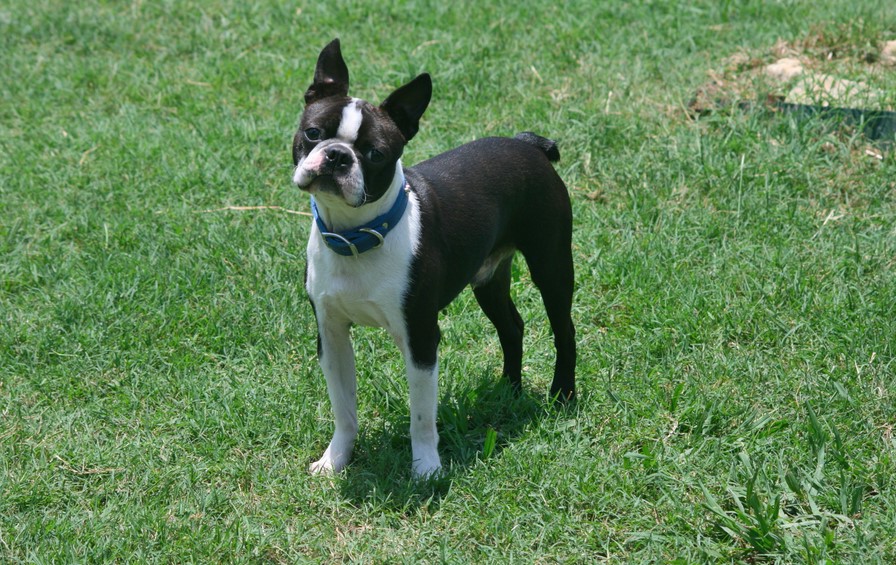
[(375, 155), (313, 134)]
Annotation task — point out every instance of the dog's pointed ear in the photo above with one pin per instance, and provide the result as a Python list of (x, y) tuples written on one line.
[(406, 105), (330, 75)]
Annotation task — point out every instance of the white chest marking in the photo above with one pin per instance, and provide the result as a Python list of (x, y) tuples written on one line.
[(369, 289), (351, 122)]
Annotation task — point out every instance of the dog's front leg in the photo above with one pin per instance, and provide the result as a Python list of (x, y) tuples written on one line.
[(420, 350), (424, 397), (337, 359)]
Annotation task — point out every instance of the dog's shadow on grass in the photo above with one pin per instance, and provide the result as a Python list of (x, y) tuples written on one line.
[(475, 424)]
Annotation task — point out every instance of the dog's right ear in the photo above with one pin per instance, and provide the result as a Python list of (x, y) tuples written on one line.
[(330, 75)]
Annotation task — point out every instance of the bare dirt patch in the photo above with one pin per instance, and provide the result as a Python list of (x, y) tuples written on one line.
[(822, 69)]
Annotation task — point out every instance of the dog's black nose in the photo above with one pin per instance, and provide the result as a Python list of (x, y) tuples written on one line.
[(338, 157)]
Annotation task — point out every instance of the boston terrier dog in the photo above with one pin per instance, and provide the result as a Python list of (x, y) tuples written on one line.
[(391, 246)]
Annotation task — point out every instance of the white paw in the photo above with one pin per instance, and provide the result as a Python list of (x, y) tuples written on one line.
[(333, 460), (426, 468), (325, 466)]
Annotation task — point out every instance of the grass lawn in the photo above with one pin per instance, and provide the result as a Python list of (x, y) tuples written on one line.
[(160, 399)]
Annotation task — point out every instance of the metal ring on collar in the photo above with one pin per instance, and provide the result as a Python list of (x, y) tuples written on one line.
[(376, 234), (345, 241)]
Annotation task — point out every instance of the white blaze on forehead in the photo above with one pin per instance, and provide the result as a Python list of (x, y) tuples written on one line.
[(351, 121)]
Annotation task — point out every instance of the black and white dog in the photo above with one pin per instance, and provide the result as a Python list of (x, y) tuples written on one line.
[(390, 247)]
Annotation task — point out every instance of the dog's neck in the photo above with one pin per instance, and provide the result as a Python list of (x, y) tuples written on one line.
[(338, 216)]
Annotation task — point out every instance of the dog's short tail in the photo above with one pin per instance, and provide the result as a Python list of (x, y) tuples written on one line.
[(547, 145)]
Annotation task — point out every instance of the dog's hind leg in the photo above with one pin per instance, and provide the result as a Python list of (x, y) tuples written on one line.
[(553, 274), (494, 299)]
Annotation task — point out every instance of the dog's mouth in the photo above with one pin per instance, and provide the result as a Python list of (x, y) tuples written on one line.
[(324, 183), (312, 181), (331, 184)]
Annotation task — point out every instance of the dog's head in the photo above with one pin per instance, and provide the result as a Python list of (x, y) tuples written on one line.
[(348, 149)]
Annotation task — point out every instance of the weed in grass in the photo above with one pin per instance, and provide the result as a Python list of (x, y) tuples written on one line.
[(797, 510)]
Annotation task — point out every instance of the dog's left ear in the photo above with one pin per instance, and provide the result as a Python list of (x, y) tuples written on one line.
[(406, 105), (330, 75)]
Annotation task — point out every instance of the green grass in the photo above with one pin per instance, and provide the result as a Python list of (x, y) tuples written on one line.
[(160, 399)]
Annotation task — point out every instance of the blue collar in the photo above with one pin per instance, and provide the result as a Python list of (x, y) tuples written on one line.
[(371, 235)]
